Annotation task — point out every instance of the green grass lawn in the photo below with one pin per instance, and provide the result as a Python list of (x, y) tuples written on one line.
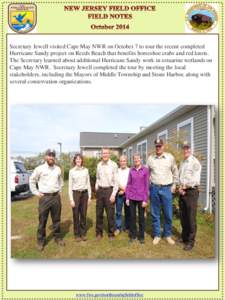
[(24, 226)]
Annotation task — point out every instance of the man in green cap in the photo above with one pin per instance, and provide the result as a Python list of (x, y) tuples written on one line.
[(189, 182), (163, 180)]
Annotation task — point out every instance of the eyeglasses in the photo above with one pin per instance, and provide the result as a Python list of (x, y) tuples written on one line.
[(158, 146)]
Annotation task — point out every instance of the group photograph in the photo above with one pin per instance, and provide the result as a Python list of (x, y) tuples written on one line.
[(115, 181)]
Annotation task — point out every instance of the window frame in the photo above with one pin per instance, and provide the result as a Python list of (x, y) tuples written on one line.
[(129, 158), (189, 121), (140, 144), (124, 152), (164, 132)]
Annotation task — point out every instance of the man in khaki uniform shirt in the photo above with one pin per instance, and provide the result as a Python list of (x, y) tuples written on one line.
[(163, 180), (189, 181), (48, 178), (106, 188)]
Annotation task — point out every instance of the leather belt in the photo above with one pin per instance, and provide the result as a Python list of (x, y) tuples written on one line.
[(105, 187), (80, 191), (191, 188), (162, 185), (50, 194)]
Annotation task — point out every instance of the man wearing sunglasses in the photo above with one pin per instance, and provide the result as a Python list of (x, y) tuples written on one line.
[(164, 178)]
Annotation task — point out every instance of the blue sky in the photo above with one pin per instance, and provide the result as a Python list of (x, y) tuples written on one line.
[(36, 127), (204, 12)]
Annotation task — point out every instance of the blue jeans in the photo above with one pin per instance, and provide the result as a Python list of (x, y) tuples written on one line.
[(161, 197), (120, 202)]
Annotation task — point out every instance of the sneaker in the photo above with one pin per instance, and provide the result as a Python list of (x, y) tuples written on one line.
[(111, 238), (142, 241), (117, 232), (156, 240), (84, 238), (170, 240)]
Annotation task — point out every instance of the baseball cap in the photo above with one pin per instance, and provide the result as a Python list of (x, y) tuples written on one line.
[(186, 145), (50, 152), (158, 142)]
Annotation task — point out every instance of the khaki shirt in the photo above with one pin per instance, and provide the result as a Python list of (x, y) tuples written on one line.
[(107, 175), (163, 169), (190, 172), (79, 179), (48, 178)]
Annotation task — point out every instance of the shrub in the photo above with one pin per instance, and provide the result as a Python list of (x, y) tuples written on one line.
[(91, 164)]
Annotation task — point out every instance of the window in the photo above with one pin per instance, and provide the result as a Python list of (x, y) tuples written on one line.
[(124, 151), (20, 167), (129, 155), (163, 135), (185, 131), (142, 150), (97, 153)]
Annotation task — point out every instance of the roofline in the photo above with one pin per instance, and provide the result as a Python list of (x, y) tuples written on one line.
[(167, 117), (107, 132), (100, 146)]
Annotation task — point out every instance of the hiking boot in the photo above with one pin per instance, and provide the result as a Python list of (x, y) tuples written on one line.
[(180, 241), (132, 240), (156, 240), (78, 239), (188, 247), (40, 247), (170, 240), (60, 242), (98, 237)]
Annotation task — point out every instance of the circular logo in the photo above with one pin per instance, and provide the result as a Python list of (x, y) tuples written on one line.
[(201, 18)]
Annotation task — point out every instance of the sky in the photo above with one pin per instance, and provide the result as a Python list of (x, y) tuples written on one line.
[(36, 127)]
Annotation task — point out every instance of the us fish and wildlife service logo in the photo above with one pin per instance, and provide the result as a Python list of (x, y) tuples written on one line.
[(201, 18), (22, 18)]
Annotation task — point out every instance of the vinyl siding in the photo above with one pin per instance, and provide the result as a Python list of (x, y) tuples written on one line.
[(200, 130)]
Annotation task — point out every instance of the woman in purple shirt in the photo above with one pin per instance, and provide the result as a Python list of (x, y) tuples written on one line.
[(137, 196)]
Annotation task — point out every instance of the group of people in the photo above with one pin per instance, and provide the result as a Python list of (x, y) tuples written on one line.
[(118, 188)]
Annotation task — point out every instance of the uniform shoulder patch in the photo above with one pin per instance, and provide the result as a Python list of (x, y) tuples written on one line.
[(196, 166)]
